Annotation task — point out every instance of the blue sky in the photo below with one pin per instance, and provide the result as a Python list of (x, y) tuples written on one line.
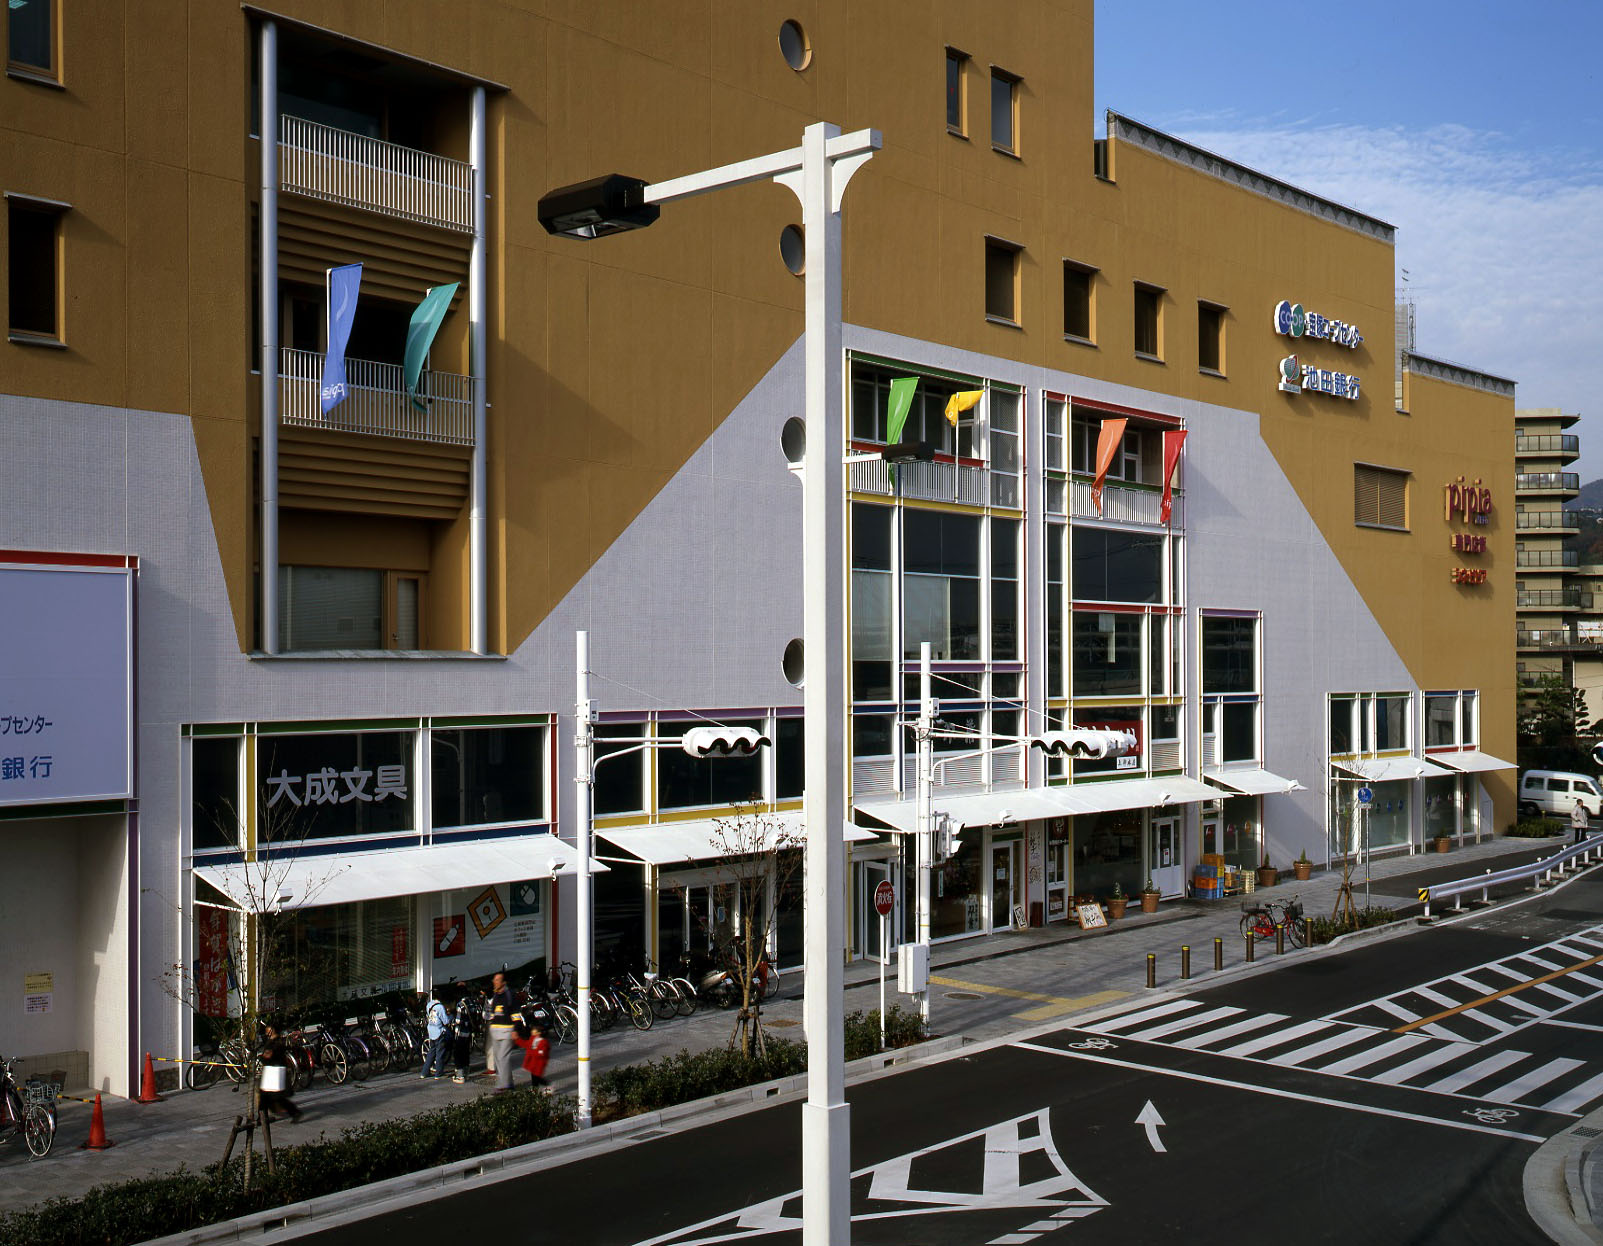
[(1476, 128)]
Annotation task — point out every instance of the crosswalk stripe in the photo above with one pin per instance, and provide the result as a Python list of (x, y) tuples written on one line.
[(1436, 997), (1335, 1042), (1271, 1040), (1396, 1010), (1420, 1064), (1476, 1072), (1488, 1020), (1594, 983), (1184, 1023), (1537, 960), (1516, 1090), (1363, 1059), (1113, 1025), (1577, 1097), (1567, 996), (1244, 1026)]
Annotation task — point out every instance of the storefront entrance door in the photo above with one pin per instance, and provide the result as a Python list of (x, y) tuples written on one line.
[(1004, 884), (1057, 881), (1165, 864)]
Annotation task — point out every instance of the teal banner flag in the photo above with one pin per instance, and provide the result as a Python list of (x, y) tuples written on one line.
[(420, 334)]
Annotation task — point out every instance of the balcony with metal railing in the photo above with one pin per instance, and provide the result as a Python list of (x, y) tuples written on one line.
[(1545, 638), (1550, 559), (1555, 521), (939, 481), (322, 162), (1547, 482), (1126, 503), (1552, 599), (377, 403), (1548, 445)]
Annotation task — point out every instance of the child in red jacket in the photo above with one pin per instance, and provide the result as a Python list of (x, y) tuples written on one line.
[(536, 1053)]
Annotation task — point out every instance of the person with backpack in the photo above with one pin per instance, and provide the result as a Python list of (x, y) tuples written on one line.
[(437, 1025)]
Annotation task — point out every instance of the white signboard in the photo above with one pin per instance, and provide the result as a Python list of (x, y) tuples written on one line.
[(485, 928), (65, 684)]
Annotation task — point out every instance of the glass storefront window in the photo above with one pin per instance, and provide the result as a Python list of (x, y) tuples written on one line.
[(1441, 806), (1113, 718), (340, 952), (1241, 833), (941, 584), (487, 775), (1111, 565), (1107, 654), (1107, 850), (620, 786), (686, 782), (214, 811), (955, 904), (335, 785), (1388, 815), (1229, 654)]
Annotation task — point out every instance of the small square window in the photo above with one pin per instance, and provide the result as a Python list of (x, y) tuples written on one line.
[(1001, 281), (30, 37), (1078, 283), (1148, 320), (1210, 337), (1004, 111), (1380, 497), (33, 269), (956, 91)]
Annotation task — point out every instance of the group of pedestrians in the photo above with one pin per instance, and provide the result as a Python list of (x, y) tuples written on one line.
[(507, 1030)]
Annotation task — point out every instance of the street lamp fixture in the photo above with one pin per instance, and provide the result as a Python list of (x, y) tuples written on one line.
[(594, 209)]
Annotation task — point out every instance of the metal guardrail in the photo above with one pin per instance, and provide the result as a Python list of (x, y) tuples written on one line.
[(322, 162), (1582, 852)]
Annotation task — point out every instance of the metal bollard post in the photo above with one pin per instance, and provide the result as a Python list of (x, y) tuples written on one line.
[(1280, 940), (1486, 892), (1185, 960), (1152, 969), (1218, 953), (1251, 951), (1307, 932)]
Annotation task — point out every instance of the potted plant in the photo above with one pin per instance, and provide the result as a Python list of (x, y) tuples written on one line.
[(1442, 841), (1116, 903), (1303, 866), (1150, 896), (1268, 875)]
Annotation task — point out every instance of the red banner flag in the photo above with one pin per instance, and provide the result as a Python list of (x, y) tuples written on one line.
[(1173, 439), (1108, 441)]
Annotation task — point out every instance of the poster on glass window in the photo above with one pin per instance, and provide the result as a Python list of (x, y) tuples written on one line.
[(500, 924)]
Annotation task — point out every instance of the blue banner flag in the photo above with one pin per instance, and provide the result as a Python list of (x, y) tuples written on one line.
[(343, 285), (420, 334)]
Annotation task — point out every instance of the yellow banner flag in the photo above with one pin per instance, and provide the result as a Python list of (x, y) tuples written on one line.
[(960, 402)]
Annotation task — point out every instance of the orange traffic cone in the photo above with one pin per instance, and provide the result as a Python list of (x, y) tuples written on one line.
[(147, 1083), (97, 1130)]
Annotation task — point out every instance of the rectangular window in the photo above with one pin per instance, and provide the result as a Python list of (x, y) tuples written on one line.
[(1078, 283), (1148, 321), (620, 785), (1229, 654), (956, 91), (790, 757), (1001, 281), (1005, 461), (941, 584), (1055, 452), (1391, 723), (1380, 497), (1114, 565), (1238, 732), (1210, 337), (1341, 725), (1056, 608), (1107, 654), (872, 615), (686, 782), (334, 785), (1129, 718), (214, 788), (1004, 111), (487, 775), (33, 268), (1004, 590), (30, 37), (926, 419)]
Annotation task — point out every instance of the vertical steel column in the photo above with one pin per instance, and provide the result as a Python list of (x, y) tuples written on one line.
[(478, 589), (584, 951), (267, 219), (924, 813), (826, 1117)]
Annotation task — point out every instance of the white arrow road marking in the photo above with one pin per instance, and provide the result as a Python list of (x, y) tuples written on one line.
[(1150, 1118)]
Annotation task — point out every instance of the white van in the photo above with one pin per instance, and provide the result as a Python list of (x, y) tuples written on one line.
[(1556, 792)]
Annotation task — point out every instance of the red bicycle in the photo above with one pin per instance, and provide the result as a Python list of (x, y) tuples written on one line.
[(1263, 921)]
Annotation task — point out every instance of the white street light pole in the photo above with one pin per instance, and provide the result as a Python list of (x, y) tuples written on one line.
[(924, 827), (584, 749)]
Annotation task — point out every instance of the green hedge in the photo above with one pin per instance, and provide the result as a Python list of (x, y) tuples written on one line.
[(134, 1211), (902, 1029), (1325, 929), (1536, 828)]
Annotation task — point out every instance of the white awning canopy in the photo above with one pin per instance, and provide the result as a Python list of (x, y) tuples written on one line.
[(675, 843), (280, 884), (1472, 761), (979, 809), (1174, 789), (1390, 769), (1255, 782)]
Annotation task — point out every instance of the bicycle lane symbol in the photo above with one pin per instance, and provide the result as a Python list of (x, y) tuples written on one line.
[(1094, 1043), (1492, 1116)]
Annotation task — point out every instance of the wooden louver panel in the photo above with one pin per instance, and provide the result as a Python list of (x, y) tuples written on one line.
[(1380, 497), (329, 471), (400, 260)]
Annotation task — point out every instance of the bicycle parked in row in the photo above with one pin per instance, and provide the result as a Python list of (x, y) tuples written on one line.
[(1264, 921), (29, 1110)]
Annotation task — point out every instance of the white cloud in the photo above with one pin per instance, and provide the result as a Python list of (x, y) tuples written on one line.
[(1504, 244)]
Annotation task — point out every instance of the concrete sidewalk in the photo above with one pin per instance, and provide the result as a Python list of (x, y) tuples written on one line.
[(982, 988)]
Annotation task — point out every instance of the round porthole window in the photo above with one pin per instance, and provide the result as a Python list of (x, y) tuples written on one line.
[(795, 663), (793, 248), (794, 47), (793, 441)]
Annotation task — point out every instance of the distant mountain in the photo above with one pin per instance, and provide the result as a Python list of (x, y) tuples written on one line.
[(1591, 497)]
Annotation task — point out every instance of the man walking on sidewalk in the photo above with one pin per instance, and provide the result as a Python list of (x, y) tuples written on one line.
[(503, 1014), (1580, 822)]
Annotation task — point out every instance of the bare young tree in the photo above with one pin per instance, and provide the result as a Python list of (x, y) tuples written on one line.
[(759, 854)]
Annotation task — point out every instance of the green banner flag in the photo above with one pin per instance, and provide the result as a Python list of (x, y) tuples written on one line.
[(902, 388), (420, 333)]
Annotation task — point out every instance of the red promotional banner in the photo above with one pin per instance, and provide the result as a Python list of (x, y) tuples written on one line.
[(1173, 439), (211, 961), (1108, 441)]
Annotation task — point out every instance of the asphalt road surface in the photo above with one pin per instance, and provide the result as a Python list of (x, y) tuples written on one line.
[(1391, 1094)]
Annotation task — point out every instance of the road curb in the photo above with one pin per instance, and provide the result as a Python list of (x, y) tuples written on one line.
[(1555, 1195)]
